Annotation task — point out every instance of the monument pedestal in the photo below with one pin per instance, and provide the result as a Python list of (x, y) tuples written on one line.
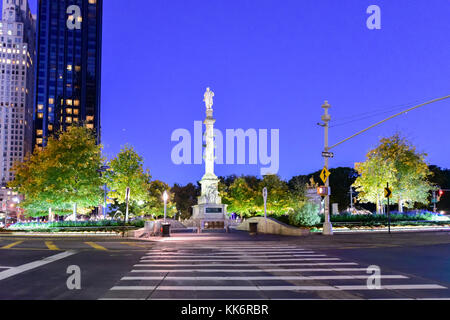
[(210, 216)]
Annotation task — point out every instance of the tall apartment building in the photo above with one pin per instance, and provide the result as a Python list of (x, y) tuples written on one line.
[(68, 66), (17, 76)]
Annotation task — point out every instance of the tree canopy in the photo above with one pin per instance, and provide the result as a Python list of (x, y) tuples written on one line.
[(155, 204), (394, 161), (244, 195), (127, 171), (62, 174)]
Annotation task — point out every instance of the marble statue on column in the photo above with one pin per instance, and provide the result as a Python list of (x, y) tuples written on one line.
[(210, 208)]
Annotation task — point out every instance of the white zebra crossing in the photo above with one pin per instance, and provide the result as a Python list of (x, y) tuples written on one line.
[(249, 270)]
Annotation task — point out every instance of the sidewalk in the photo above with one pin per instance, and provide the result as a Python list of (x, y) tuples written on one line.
[(338, 240)]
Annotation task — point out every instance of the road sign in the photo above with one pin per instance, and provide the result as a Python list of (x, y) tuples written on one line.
[(324, 175), (388, 195), (388, 192), (328, 154)]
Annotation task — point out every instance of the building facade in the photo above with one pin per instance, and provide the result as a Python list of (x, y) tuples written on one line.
[(68, 67), (17, 78)]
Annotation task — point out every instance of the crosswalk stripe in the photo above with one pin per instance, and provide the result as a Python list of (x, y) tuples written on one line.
[(251, 270), (241, 250), (246, 264), (241, 260), (346, 277), (206, 258), (289, 269), (233, 256), (275, 288), (96, 246), (9, 246), (51, 246), (232, 248), (143, 288), (395, 287), (126, 299)]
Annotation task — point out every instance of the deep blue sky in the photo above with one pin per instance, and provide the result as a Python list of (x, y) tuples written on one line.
[(271, 65)]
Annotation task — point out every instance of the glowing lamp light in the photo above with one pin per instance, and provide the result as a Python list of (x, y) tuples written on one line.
[(165, 196)]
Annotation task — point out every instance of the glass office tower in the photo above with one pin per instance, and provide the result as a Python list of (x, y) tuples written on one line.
[(17, 78), (68, 66)]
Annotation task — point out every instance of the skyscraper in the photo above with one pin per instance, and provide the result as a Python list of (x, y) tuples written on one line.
[(17, 53), (68, 66)]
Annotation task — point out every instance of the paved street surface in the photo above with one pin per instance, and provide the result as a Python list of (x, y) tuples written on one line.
[(228, 266)]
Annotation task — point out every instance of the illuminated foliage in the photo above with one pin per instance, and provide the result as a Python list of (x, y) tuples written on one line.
[(127, 170), (244, 195), (62, 174), (154, 204), (394, 161)]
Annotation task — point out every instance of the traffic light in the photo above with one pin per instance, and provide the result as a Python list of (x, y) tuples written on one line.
[(440, 194), (323, 191)]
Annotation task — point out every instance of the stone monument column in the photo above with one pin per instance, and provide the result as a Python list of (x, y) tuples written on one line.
[(209, 182), (210, 210), (209, 135)]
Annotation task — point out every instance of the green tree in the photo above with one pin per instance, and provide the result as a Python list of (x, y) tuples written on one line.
[(280, 200), (62, 175), (185, 197), (394, 161), (155, 202), (239, 197), (244, 195), (127, 171)]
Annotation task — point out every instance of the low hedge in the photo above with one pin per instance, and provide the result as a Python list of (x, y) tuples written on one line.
[(421, 218), (91, 225), (372, 218)]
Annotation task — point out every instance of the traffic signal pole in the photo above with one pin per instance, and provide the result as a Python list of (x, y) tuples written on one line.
[(434, 201), (387, 119), (327, 227)]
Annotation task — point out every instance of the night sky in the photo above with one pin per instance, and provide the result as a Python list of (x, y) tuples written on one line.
[(271, 65)]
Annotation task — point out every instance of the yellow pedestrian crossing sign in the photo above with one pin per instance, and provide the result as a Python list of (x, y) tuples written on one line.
[(324, 175), (388, 192)]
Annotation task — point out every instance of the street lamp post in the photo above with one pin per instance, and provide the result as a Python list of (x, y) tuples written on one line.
[(105, 188), (6, 211), (265, 205), (165, 197), (327, 227), (127, 199), (351, 198)]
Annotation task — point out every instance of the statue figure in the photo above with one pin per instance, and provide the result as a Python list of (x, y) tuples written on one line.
[(209, 95), (312, 183), (211, 194)]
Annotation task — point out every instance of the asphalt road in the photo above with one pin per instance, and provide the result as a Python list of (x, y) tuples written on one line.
[(228, 266)]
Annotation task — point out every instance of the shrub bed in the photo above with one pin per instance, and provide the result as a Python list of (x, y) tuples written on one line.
[(347, 220), (383, 218), (103, 225)]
